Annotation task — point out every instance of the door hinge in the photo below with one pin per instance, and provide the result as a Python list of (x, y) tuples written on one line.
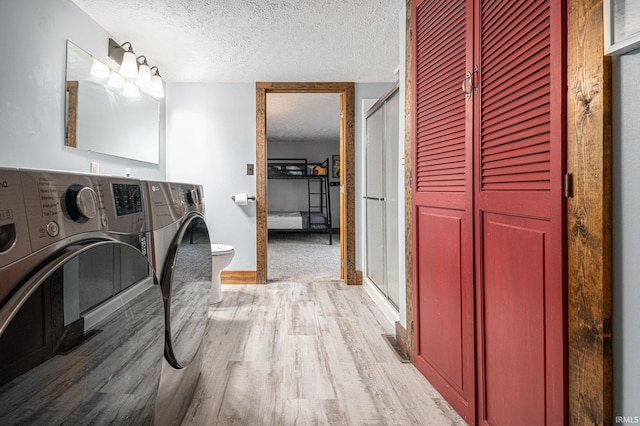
[(411, 327), (568, 185)]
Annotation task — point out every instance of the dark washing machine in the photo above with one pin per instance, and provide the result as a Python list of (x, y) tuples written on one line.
[(181, 255), (81, 313)]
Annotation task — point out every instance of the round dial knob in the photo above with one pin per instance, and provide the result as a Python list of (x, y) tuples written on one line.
[(192, 197), (81, 203)]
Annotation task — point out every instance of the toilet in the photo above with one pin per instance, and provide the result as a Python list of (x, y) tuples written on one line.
[(221, 255)]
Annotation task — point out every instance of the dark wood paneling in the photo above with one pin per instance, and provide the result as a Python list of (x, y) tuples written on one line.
[(405, 337), (72, 114), (589, 217), (262, 232), (348, 165)]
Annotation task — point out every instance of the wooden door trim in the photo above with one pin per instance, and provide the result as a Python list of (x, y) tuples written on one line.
[(347, 172)]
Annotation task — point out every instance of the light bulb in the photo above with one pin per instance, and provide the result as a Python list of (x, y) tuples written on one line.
[(144, 77), (129, 66), (157, 88)]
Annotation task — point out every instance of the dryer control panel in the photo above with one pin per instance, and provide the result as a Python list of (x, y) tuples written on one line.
[(171, 201), (14, 232)]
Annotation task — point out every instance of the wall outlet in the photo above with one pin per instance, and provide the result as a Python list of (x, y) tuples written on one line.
[(249, 169), (95, 167)]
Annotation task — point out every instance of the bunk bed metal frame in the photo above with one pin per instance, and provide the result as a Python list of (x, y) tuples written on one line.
[(313, 173)]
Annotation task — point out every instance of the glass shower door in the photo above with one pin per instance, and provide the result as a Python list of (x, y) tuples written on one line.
[(374, 199), (381, 197)]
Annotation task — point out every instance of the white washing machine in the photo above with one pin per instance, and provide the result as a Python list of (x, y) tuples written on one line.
[(81, 312), (181, 256)]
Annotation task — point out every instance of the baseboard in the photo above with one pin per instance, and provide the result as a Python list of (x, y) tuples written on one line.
[(379, 299), (238, 277), (358, 277)]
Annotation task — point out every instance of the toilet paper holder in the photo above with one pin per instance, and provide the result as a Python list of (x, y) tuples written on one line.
[(251, 197)]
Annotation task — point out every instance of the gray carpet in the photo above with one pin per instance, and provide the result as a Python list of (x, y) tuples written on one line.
[(303, 257)]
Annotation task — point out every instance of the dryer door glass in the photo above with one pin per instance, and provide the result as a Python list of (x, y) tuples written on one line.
[(187, 289), (63, 364)]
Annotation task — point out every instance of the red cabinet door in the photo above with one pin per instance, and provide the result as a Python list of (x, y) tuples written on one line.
[(519, 150), (443, 209)]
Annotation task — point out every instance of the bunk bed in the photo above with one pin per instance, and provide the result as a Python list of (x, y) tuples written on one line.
[(317, 216)]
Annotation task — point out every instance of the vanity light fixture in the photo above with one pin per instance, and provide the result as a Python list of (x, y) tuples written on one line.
[(157, 88), (136, 67), (144, 73), (100, 70), (123, 54)]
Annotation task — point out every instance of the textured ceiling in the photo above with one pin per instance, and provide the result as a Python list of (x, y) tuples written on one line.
[(299, 117), (258, 40)]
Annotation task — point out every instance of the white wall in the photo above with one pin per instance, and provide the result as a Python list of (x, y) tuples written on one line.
[(626, 236), (211, 137), (33, 36)]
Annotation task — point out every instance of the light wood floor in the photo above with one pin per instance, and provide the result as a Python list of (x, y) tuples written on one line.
[(307, 354)]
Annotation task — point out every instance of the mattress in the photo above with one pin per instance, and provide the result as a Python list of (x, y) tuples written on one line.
[(284, 220), (296, 220)]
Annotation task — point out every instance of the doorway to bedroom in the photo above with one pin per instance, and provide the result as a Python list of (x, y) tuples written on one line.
[(303, 186), (305, 182)]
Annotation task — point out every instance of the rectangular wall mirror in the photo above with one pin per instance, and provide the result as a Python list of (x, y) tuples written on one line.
[(102, 116)]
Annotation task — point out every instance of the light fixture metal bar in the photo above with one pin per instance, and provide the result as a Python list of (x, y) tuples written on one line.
[(116, 52)]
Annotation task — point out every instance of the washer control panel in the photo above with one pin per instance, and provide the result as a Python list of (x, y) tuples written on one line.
[(14, 232), (60, 205)]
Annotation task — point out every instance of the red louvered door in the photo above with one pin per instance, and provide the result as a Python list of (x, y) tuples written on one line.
[(489, 242), (443, 209), (519, 205)]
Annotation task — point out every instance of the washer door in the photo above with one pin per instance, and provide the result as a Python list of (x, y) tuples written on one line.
[(81, 340), (186, 284)]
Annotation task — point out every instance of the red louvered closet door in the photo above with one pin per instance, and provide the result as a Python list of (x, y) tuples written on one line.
[(443, 209), (519, 205), (489, 240)]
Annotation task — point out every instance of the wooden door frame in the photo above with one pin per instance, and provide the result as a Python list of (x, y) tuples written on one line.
[(589, 219), (347, 171)]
